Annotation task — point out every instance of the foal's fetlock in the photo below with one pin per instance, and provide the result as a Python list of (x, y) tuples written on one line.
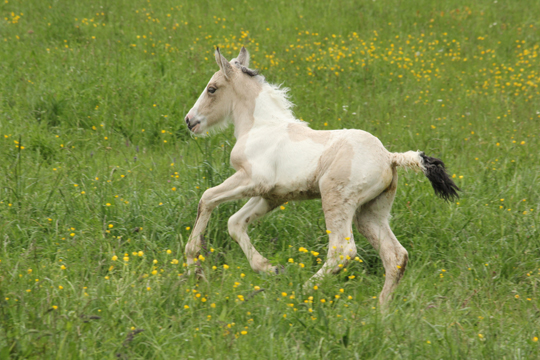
[(191, 257), (260, 264), (384, 300)]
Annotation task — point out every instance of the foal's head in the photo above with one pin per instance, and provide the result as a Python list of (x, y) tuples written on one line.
[(232, 84)]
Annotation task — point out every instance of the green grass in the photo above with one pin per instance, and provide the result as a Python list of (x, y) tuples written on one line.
[(96, 162)]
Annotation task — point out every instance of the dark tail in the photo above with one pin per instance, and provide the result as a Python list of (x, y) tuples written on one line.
[(442, 183)]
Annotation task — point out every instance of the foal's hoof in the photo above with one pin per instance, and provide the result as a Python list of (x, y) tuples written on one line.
[(199, 273), (277, 270), (195, 269)]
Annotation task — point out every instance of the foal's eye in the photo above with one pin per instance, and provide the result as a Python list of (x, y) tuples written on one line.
[(212, 90)]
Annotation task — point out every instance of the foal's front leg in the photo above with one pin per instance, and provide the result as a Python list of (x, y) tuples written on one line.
[(254, 209), (236, 187)]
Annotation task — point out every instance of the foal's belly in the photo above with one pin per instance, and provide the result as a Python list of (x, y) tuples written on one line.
[(280, 198), (278, 195)]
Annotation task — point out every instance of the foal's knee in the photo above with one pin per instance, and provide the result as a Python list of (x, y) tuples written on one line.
[(259, 264)]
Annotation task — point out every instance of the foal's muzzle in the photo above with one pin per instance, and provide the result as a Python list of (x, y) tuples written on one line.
[(191, 124)]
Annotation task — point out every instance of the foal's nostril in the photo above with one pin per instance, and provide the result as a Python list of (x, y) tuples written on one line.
[(187, 119)]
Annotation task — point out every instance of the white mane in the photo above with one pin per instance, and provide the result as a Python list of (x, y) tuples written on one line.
[(280, 95), (274, 100)]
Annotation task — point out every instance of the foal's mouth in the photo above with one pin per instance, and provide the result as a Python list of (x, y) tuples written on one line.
[(192, 127)]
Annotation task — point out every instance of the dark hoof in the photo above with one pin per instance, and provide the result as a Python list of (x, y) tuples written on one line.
[(280, 269)]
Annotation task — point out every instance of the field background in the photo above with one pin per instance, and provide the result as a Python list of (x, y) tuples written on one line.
[(100, 180)]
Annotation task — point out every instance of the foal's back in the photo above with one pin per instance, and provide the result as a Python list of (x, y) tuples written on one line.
[(293, 161)]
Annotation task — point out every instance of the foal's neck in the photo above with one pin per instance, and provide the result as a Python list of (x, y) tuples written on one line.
[(266, 109)]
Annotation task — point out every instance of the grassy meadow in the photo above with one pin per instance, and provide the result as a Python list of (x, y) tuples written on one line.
[(100, 180)]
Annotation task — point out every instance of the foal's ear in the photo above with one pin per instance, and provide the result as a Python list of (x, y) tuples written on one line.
[(243, 57), (223, 64)]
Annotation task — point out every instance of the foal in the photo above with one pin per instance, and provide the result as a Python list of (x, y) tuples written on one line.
[(278, 158)]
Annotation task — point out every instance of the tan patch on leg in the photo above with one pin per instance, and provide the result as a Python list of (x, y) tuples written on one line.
[(334, 171)]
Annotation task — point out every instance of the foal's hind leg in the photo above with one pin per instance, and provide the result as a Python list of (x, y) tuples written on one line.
[(372, 221), (254, 209), (341, 248)]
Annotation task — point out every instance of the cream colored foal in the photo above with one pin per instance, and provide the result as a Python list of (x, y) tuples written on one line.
[(278, 158)]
